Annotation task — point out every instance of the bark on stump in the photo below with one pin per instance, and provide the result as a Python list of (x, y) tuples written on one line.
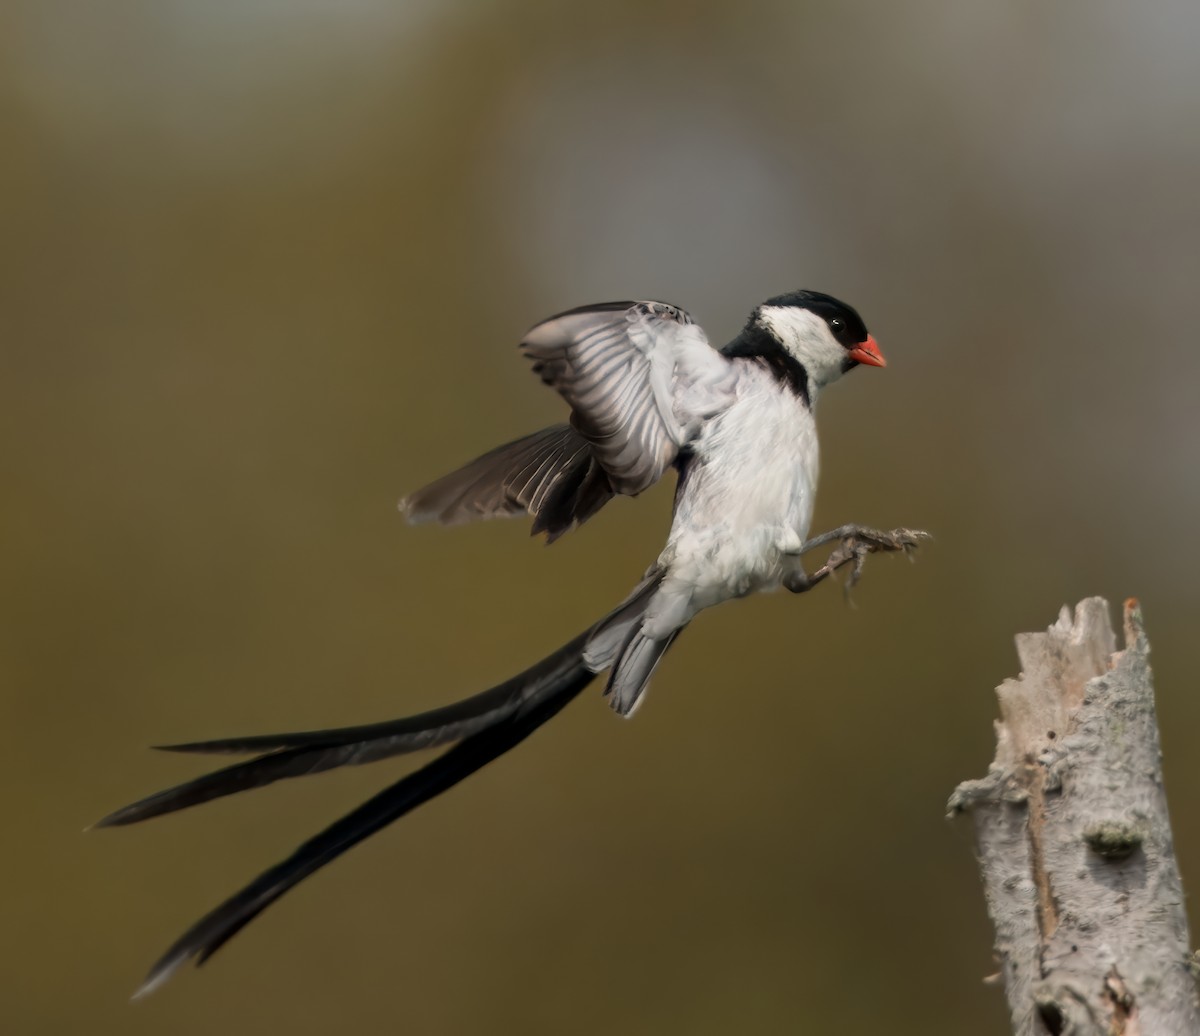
[(1075, 843)]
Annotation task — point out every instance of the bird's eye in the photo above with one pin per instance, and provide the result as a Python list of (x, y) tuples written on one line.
[(837, 325)]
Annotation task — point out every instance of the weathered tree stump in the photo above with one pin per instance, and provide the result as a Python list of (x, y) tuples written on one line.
[(1075, 842)]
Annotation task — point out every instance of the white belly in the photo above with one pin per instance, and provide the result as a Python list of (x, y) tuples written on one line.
[(744, 508)]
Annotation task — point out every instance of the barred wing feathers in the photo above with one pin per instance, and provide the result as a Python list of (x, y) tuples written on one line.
[(640, 378)]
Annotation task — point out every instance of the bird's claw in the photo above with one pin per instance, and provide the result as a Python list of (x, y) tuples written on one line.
[(857, 544), (854, 543)]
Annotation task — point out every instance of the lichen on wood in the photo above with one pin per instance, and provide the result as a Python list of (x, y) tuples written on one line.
[(1075, 841)]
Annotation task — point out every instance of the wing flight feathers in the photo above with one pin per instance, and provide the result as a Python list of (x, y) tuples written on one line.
[(626, 369), (640, 378)]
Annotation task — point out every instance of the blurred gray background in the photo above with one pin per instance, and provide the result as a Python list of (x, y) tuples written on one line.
[(263, 267)]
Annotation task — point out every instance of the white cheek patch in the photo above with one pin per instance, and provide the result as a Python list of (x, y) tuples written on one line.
[(807, 337), (790, 324)]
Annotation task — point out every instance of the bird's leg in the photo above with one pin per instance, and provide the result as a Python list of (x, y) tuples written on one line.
[(855, 542)]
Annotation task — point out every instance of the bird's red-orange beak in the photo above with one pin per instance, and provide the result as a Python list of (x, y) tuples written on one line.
[(868, 352)]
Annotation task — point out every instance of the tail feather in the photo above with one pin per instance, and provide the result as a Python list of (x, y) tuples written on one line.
[(216, 928), (631, 675), (309, 752), (410, 733), (610, 635), (617, 642), (485, 726)]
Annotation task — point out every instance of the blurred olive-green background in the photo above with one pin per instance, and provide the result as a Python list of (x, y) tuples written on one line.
[(263, 265)]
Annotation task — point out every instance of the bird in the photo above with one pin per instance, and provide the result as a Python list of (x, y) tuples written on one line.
[(647, 394)]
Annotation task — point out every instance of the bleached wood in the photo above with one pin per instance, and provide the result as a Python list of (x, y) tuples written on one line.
[(1075, 842)]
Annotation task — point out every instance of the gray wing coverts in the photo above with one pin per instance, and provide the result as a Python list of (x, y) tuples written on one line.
[(640, 377)]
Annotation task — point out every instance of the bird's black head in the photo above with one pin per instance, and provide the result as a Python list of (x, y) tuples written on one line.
[(808, 339), (844, 323)]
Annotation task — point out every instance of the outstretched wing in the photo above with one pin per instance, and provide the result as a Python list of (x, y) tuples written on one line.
[(640, 378)]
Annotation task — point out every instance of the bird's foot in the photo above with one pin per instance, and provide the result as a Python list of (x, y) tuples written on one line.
[(854, 548), (854, 543)]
